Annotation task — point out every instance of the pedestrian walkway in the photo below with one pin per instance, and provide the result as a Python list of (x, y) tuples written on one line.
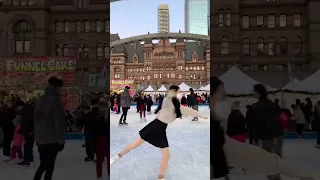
[(69, 165)]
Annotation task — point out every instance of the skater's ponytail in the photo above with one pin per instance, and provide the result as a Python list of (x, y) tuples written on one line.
[(175, 101)]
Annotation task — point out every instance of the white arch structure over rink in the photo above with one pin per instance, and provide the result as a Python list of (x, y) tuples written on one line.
[(157, 36)]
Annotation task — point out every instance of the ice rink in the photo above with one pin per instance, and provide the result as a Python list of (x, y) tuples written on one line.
[(189, 147), (69, 165)]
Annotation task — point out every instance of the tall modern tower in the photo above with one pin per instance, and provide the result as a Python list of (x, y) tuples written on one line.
[(196, 16), (163, 18)]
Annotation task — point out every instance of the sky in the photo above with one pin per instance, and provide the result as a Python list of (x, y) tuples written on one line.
[(137, 17)]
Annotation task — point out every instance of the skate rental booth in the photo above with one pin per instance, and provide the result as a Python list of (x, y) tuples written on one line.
[(27, 78)]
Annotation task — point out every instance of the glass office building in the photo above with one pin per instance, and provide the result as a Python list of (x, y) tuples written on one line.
[(196, 16)]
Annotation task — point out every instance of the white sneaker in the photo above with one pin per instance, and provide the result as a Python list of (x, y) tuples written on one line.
[(7, 160), (140, 119), (114, 159), (145, 119)]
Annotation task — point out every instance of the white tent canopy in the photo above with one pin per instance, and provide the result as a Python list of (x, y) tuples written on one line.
[(291, 85), (237, 82), (184, 87), (310, 84), (149, 89), (162, 89), (206, 88), (201, 88)]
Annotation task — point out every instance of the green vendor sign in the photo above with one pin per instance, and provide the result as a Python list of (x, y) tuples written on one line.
[(94, 80)]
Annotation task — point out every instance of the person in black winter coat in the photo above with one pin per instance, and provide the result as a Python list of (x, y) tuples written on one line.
[(27, 130), (119, 103), (249, 119), (184, 100), (193, 102), (102, 136), (8, 128), (149, 103), (316, 123), (267, 126), (89, 123), (236, 123)]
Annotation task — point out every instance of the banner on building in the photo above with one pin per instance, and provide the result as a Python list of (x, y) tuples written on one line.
[(34, 72)]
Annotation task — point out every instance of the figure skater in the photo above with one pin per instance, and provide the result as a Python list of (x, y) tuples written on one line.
[(155, 132), (255, 159)]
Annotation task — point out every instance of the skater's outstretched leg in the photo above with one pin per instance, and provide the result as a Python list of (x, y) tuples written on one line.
[(131, 147), (127, 149), (164, 162)]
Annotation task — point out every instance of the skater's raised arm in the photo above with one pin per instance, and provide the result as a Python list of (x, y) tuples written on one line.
[(190, 112)]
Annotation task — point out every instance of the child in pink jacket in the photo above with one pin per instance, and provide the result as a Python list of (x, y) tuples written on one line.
[(16, 150)]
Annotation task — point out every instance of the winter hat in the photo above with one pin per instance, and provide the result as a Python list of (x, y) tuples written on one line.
[(174, 88), (261, 90), (56, 82)]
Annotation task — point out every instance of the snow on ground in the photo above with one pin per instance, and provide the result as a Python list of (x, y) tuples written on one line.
[(189, 147), (69, 165)]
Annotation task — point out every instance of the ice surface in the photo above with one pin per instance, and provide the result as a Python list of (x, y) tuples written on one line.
[(189, 147), (69, 166)]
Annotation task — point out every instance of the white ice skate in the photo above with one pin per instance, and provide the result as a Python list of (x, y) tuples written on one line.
[(145, 119), (140, 119), (114, 159)]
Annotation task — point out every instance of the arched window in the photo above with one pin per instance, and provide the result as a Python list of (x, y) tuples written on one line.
[(220, 18), (85, 52), (65, 50), (86, 26), (246, 47), (260, 47), (283, 46), (23, 37), (117, 73), (66, 26), (194, 57), (106, 26), (135, 59), (298, 46), (57, 27), (15, 2), (24, 2), (78, 26), (99, 51), (272, 47), (80, 53), (98, 26), (106, 51), (225, 49), (58, 50), (228, 17)]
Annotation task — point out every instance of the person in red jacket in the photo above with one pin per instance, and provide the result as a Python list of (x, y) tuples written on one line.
[(103, 134)]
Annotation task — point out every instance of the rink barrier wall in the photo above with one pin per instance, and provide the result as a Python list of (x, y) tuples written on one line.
[(288, 135)]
